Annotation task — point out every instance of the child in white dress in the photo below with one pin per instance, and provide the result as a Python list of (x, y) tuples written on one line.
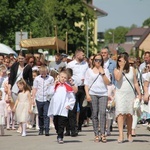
[(2, 113), (23, 105), (62, 101)]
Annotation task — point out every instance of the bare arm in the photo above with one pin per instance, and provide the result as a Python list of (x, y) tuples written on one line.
[(34, 90), (105, 79), (30, 101), (136, 85), (118, 74), (88, 97), (146, 94)]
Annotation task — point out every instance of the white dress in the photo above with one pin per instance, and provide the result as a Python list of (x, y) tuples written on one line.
[(124, 96), (2, 112), (22, 110)]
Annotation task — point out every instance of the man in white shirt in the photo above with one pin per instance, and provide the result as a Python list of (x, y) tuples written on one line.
[(146, 61), (79, 67)]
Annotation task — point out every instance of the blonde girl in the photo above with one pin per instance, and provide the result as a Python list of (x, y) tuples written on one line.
[(23, 105)]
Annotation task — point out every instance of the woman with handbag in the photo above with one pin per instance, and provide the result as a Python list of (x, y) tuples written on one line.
[(96, 80), (125, 76)]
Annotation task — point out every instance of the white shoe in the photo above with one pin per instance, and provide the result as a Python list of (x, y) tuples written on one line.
[(37, 128), (23, 134)]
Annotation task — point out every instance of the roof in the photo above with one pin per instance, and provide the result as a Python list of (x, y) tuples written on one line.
[(139, 42), (99, 12), (126, 46), (136, 32)]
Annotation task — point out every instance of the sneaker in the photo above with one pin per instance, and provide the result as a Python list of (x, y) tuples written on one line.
[(23, 134), (60, 140)]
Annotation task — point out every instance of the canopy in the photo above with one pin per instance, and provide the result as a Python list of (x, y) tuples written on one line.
[(4, 49), (45, 42)]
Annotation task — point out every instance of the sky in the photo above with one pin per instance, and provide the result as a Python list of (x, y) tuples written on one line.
[(122, 13)]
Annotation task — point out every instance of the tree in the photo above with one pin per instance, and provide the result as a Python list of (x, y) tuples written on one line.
[(16, 15), (147, 22), (40, 17), (117, 34)]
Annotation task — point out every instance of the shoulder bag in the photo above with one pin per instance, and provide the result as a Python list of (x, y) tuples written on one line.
[(85, 102)]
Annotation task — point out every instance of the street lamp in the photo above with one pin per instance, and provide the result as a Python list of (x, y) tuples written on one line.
[(113, 37), (87, 38)]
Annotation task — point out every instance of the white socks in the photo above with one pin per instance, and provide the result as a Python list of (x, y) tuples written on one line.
[(23, 129)]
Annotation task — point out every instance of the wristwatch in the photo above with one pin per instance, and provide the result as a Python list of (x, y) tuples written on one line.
[(103, 74)]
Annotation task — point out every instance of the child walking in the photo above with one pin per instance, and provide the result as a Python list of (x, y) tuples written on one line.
[(23, 105), (62, 101), (40, 94), (2, 113)]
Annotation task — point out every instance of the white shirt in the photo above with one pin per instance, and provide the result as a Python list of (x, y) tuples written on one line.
[(98, 87), (60, 100), (79, 70), (106, 64), (42, 85), (142, 66)]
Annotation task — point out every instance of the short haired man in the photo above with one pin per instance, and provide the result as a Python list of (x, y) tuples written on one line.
[(146, 61), (79, 67), (57, 63), (108, 62)]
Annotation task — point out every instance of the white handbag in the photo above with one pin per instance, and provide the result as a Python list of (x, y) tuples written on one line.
[(136, 104)]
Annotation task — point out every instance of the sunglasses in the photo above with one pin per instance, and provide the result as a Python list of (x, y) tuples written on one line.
[(31, 62), (120, 60), (98, 60)]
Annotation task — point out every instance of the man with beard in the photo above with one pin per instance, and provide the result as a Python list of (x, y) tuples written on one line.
[(79, 67)]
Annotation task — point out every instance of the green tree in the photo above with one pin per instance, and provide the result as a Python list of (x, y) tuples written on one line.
[(147, 22), (117, 35), (16, 15)]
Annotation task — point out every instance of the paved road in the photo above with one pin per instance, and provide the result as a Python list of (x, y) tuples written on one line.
[(13, 141)]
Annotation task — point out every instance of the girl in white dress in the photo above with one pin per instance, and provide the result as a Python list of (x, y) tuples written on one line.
[(124, 96), (23, 105), (2, 113)]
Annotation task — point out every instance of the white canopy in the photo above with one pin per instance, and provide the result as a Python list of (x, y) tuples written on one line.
[(4, 49)]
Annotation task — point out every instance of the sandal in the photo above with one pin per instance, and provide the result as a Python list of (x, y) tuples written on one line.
[(96, 139), (103, 139)]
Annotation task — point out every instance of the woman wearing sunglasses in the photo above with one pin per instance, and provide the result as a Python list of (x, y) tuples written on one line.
[(124, 96), (96, 80)]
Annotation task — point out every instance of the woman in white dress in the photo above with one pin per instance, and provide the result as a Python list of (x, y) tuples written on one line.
[(125, 95)]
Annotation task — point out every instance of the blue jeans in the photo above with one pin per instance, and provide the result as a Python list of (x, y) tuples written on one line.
[(44, 120)]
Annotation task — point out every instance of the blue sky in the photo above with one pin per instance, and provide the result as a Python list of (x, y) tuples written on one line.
[(122, 13)]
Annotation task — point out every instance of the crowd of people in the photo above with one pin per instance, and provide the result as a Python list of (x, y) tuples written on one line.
[(34, 92)]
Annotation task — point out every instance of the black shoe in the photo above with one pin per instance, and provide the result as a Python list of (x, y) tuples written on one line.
[(74, 134), (46, 134), (67, 134)]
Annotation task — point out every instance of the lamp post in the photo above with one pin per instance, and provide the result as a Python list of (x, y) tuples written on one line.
[(87, 38), (113, 38)]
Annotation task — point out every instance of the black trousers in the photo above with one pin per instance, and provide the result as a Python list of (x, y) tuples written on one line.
[(80, 95), (71, 121), (42, 114), (60, 124)]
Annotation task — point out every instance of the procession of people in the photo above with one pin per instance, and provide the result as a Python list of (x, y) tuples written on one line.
[(37, 93)]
